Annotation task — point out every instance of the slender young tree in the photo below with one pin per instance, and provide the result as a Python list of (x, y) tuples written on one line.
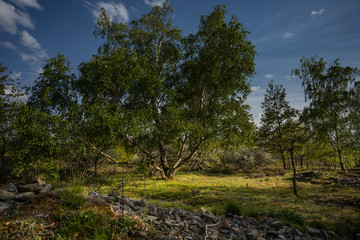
[(295, 135), (328, 90), (276, 111)]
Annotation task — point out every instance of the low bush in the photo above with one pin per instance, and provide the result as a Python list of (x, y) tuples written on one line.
[(233, 208), (84, 225), (247, 158), (71, 200), (250, 210), (287, 216)]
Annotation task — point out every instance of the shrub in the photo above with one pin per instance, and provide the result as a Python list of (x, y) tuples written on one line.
[(250, 210), (288, 216), (84, 225), (247, 158), (71, 200), (233, 208), (125, 225)]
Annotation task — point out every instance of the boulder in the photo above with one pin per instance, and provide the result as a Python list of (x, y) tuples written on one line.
[(11, 188), (47, 188), (34, 187), (22, 197), (5, 195), (4, 206), (315, 233)]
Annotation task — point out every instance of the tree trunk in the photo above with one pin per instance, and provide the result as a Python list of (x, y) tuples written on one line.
[(341, 160), (283, 158), (294, 171)]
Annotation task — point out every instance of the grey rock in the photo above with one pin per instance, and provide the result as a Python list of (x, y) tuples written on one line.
[(11, 187), (281, 237), (34, 187), (4, 206), (281, 232), (298, 238), (47, 188), (93, 194), (114, 194), (296, 232), (177, 217), (333, 235), (252, 234), (110, 199), (271, 233), (324, 234), (22, 197), (125, 201), (5, 195), (241, 235), (198, 219), (314, 232), (152, 218), (143, 202)]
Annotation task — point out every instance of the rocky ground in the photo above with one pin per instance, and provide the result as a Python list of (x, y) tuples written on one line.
[(313, 176), (175, 223)]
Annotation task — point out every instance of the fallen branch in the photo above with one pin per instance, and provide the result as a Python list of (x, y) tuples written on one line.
[(106, 156), (206, 229)]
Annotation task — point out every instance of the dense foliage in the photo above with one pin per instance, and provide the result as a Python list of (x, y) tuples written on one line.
[(169, 100)]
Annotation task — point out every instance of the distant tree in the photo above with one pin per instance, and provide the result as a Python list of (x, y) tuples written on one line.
[(167, 95), (328, 90), (276, 112), (355, 120)]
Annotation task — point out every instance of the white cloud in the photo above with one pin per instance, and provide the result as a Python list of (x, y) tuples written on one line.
[(10, 17), (117, 12), (27, 3), (288, 35), (8, 45), (153, 3), (269, 76), (317, 13), (37, 52), (254, 89), (35, 57), (29, 41), (15, 75)]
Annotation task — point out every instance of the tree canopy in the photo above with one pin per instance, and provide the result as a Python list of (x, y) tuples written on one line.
[(171, 95), (329, 90)]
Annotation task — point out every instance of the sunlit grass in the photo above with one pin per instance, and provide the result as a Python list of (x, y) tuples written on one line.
[(192, 191)]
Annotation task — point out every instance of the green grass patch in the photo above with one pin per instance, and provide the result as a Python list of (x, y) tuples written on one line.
[(71, 200)]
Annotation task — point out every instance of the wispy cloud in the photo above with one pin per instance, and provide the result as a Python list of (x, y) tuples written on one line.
[(153, 3), (116, 11), (317, 13), (29, 41), (35, 56), (8, 45), (27, 3), (35, 52), (288, 35), (254, 89), (269, 76), (15, 75), (10, 17)]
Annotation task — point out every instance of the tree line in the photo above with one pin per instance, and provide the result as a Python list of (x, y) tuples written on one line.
[(167, 98)]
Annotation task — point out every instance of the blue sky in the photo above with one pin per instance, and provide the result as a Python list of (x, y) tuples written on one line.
[(283, 31)]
